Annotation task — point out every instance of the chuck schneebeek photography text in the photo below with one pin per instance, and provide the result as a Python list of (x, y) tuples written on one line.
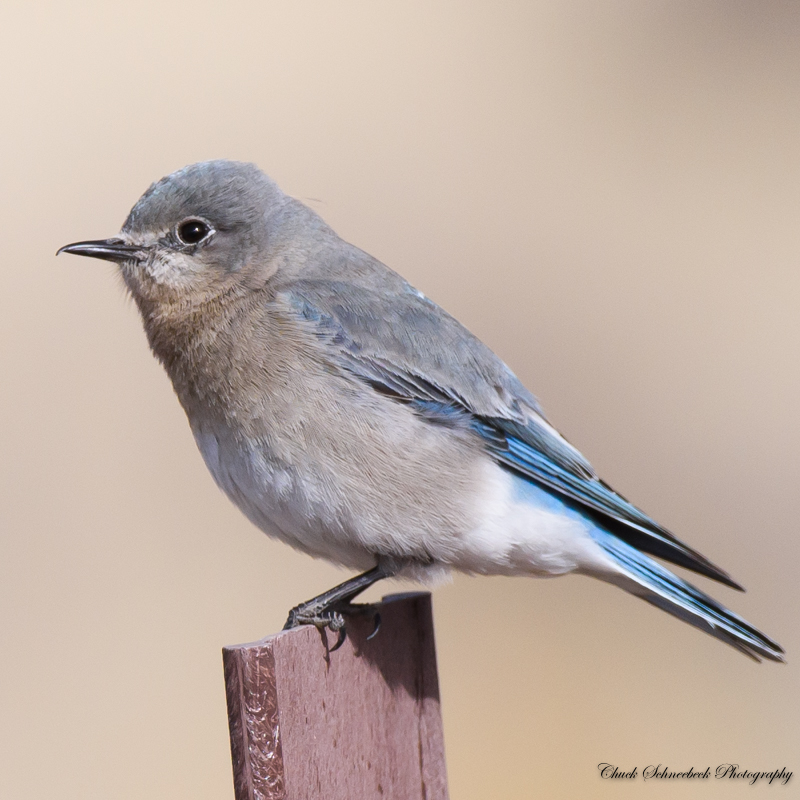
[(721, 772)]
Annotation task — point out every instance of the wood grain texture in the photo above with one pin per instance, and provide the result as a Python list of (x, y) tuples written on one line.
[(362, 722)]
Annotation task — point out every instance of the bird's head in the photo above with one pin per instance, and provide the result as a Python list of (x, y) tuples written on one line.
[(195, 234)]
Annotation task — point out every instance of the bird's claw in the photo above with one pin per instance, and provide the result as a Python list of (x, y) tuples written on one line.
[(340, 639), (376, 622)]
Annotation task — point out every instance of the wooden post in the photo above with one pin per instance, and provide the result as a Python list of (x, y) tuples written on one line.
[(359, 723)]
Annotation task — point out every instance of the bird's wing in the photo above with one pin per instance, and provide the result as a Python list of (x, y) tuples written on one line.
[(405, 346)]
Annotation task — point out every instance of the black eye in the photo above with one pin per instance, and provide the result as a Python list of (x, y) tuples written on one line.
[(192, 231)]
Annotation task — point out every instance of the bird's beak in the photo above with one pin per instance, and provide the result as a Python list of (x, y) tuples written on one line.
[(108, 249)]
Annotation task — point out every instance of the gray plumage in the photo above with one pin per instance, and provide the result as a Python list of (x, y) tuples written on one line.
[(350, 416)]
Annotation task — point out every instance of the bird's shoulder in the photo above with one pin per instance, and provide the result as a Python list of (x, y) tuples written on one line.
[(376, 320)]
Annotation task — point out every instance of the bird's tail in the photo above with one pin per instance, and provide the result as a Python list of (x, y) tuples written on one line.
[(640, 575)]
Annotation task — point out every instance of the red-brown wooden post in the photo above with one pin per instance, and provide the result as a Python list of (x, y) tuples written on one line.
[(359, 723)]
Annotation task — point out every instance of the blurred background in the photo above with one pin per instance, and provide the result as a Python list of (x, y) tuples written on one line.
[(607, 193)]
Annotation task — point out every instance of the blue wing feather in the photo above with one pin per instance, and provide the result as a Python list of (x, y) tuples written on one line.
[(610, 509)]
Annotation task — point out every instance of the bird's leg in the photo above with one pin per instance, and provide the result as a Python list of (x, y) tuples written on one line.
[(327, 609)]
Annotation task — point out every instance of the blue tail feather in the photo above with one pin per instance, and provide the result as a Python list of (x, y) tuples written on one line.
[(660, 587)]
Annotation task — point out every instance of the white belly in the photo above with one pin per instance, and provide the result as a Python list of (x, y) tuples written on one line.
[(524, 530)]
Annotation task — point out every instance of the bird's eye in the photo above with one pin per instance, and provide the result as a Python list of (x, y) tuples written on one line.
[(192, 231)]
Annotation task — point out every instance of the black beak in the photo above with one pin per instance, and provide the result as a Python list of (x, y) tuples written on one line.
[(108, 249)]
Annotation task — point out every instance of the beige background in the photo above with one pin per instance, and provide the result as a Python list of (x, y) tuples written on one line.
[(608, 193)]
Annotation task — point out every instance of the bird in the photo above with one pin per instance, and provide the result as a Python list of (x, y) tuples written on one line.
[(350, 416)]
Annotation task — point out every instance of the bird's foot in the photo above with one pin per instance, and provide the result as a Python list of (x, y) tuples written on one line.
[(329, 609), (318, 617), (333, 618)]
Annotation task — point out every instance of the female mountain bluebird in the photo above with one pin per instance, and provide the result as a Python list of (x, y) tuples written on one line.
[(346, 414)]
